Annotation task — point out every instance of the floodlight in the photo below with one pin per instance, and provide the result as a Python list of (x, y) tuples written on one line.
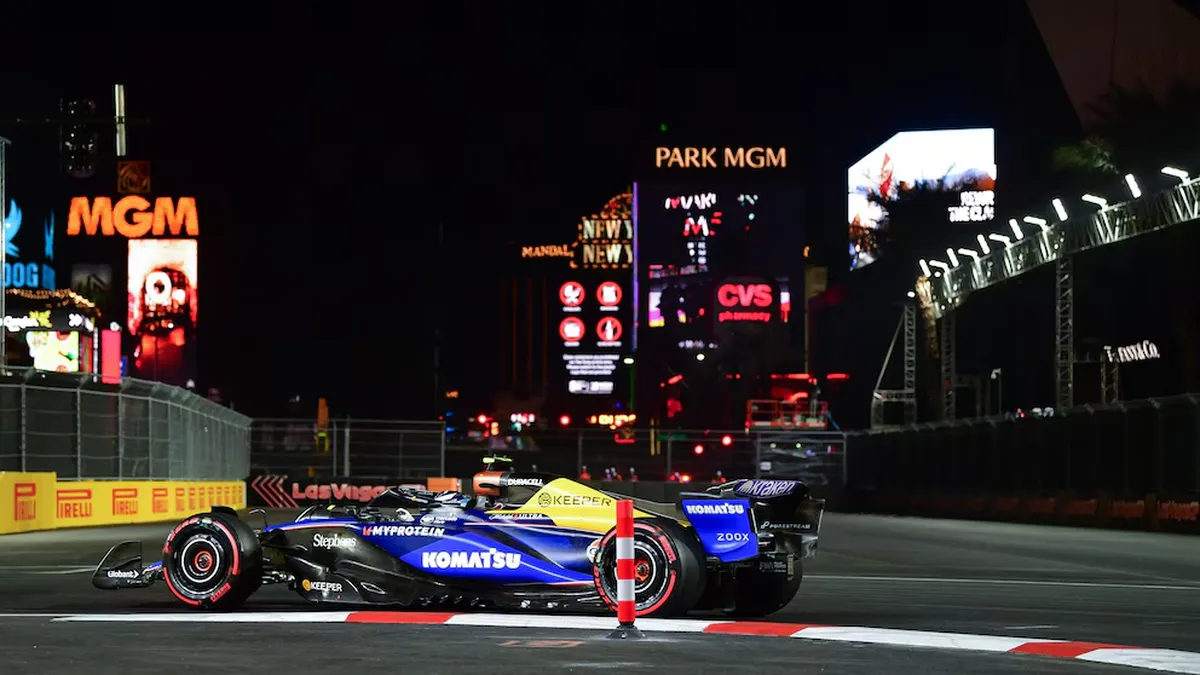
[(1059, 209), (970, 253), (940, 265), (912, 294), (1177, 173), (983, 245), (1098, 201), (953, 258), (924, 267), (1016, 229), (1040, 222), (1133, 186), (1001, 238)]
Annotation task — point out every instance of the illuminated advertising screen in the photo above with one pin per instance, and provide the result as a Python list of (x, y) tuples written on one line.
[(163, 293), (593, 305), (28, 247), (60, 352), (957, 163), (693, 235)]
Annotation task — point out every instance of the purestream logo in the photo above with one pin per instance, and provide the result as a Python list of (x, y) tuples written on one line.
[(403, 531), (475, 560), (715, 509)]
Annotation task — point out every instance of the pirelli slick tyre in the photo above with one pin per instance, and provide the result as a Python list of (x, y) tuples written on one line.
[(759, 591), (212, 561), (668, 564)]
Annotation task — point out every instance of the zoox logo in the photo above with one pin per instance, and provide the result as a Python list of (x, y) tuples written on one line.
[(26, 274)]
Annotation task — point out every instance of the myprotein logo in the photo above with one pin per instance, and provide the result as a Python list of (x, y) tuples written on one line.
[(24, 501), (745, 302), (723, 509), (125, 501), (403, 531), (160, 500)]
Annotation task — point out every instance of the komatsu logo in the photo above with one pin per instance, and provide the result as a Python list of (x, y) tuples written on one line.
[(403, 531), (475, 560), (714, 509)]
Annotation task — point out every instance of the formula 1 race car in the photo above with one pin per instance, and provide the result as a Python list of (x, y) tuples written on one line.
[(522, 541)]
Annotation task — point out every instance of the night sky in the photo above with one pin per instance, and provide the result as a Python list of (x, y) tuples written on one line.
[(324, 162)]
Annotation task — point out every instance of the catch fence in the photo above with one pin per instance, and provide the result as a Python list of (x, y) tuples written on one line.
[(82, 428), (1127, 449), (416, 450)]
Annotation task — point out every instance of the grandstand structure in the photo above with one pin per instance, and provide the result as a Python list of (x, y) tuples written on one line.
[(944, 285)]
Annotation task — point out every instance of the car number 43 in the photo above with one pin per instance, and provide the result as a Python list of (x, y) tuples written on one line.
[(733, 536)]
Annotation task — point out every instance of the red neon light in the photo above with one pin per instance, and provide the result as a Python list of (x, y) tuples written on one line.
[(837, 376), (675, 379), (791, 376)]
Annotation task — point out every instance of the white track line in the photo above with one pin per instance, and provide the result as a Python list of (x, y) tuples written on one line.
[(1005, 582)]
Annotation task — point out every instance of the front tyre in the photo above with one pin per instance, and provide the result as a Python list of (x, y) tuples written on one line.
[(669, 574), (766, 588), (212, 561)]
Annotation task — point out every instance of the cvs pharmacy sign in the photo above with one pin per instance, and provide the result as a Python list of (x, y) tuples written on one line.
[(755, 302)]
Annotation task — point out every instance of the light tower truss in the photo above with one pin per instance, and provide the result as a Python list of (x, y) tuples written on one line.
[(1064, 333), (1110, 380), (906, 332), (949, 381), (1114, 224)]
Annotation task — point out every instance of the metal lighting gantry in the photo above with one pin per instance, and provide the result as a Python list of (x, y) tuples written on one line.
[(942, 292)]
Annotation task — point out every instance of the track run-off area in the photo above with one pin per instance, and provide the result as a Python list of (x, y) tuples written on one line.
[(884, 594)]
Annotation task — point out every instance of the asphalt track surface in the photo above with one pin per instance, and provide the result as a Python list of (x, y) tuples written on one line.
[(1129, 588)]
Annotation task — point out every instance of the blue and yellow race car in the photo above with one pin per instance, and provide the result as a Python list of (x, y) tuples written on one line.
[(520, 541)]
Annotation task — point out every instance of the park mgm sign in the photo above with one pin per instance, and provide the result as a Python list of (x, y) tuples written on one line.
[(694, 157)]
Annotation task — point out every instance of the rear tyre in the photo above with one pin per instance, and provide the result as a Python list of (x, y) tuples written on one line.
[(212, 561), (669, 568), (759, 592)]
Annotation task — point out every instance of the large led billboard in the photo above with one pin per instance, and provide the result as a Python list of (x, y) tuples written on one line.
[(593, 304), (693, 235), (28, 243), (163, 293), (961, 163)]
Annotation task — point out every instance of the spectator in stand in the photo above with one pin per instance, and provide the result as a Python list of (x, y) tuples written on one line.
[(583, 473), (673, 478), (632, 474), (719, 478), (616, 475)]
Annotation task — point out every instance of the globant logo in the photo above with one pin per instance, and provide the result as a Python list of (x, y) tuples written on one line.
[(715, 509), (122, 574)]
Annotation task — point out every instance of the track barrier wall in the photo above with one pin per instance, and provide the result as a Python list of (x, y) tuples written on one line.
[(1129, 465), (32, 502)]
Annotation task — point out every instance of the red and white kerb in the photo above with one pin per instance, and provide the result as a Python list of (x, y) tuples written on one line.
[(626, 601)]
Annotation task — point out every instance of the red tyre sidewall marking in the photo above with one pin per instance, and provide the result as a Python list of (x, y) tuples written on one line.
[(672, 574), (167, 551)]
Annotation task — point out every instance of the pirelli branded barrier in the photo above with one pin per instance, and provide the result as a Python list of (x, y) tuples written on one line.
[(39, 501), (1151, 512), (281, 491)]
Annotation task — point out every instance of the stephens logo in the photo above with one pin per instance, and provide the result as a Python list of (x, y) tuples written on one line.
[(402, 531), (332, 542), (475, 560), (125, 501), (766, 488), (160, 500), (547, 499), (74, 504), (24, 501), (715, 509)]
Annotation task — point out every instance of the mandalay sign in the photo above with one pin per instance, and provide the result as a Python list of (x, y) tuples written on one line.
[(133, 217)]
